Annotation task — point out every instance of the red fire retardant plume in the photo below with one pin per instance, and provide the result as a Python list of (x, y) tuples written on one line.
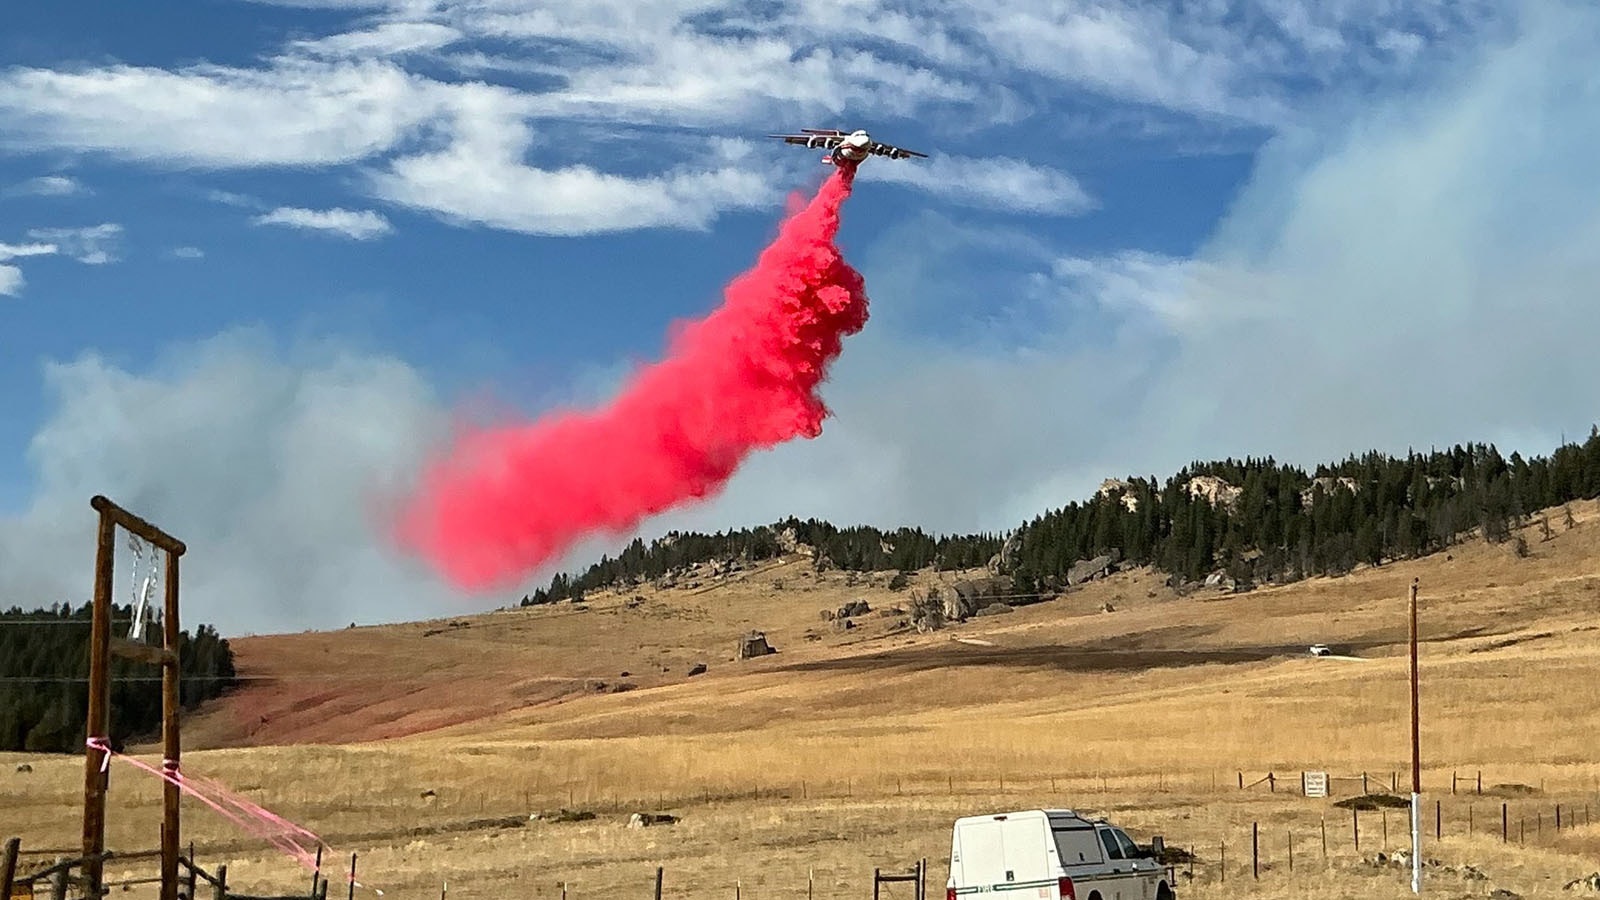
[(505, 501)]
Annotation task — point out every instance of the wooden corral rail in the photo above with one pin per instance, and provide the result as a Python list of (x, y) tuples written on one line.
[(60, 878), (59, 875), (918, 876), (218, 881)]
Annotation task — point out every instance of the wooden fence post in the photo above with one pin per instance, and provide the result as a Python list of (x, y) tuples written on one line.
[(1558, 817), (1272, 783), (659, 872), (1385, 845), (1503, 820), (1324, 837), (1452, 783), (8, 867), (1223, 865), (1438, 819), (1355, 826), (352, 894), (875, 882), (219, 890), (1291, 851), (1480, 781), (1255, 850), (58, 881), (316, 873)]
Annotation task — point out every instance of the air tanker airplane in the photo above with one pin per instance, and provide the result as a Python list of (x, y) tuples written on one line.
[(845, 149)]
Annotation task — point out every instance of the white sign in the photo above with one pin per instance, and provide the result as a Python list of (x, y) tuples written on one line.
[(1316, 783)]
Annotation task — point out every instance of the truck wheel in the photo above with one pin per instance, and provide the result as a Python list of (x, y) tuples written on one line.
[(1163, 893)]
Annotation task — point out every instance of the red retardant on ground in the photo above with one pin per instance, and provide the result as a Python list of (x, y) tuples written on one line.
[(504, 501)]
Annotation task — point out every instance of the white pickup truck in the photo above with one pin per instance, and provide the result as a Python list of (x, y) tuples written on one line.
[(1049, 854)]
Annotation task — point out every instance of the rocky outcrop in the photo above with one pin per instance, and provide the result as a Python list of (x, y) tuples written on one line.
[(1214, 490), (1114, 485), (960, 600), (753, 645), (1327, 483), (1090, 569)]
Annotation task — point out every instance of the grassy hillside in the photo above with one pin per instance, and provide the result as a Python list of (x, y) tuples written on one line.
[(855, 749)]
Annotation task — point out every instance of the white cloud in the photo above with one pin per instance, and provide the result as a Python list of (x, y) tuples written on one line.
[(1003, 183), (186, 253), (48, 186), (360, 225), (388, 39), (18, 251), (481, 179), (621, 70), (230, 198), (95, 245), (11, 280), (295, 112)]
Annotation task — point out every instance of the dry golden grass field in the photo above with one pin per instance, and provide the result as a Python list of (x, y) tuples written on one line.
[(804, 770)]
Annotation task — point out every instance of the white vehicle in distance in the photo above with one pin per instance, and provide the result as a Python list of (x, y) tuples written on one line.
[(1320, 650), (1050, 854)]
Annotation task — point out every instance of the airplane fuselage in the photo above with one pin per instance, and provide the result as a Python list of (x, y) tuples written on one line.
[(851, 151), (845, 150)]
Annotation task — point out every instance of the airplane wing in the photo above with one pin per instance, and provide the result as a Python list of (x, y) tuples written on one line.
[(824, 140), (894, 152)]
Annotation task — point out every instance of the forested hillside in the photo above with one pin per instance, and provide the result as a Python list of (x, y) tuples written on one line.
[(1260, 520), (44, 691), (859, 548), (1255, 519)]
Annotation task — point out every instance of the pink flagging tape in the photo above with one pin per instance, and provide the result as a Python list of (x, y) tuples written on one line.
[(249, 816)]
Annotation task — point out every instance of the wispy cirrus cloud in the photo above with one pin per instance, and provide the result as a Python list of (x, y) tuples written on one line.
[(293, 112), (387, 39), (11, 280), (94, 245), (371, 97), (47, 186), (360, 225), (1003, 183)]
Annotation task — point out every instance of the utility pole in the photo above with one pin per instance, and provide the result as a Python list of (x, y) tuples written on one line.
[(1416, 757)]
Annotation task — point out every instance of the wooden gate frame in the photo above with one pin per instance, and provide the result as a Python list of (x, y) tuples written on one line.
[(96, 772)]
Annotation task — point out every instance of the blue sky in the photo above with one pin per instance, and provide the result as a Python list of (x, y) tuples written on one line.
[(254, 255)]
